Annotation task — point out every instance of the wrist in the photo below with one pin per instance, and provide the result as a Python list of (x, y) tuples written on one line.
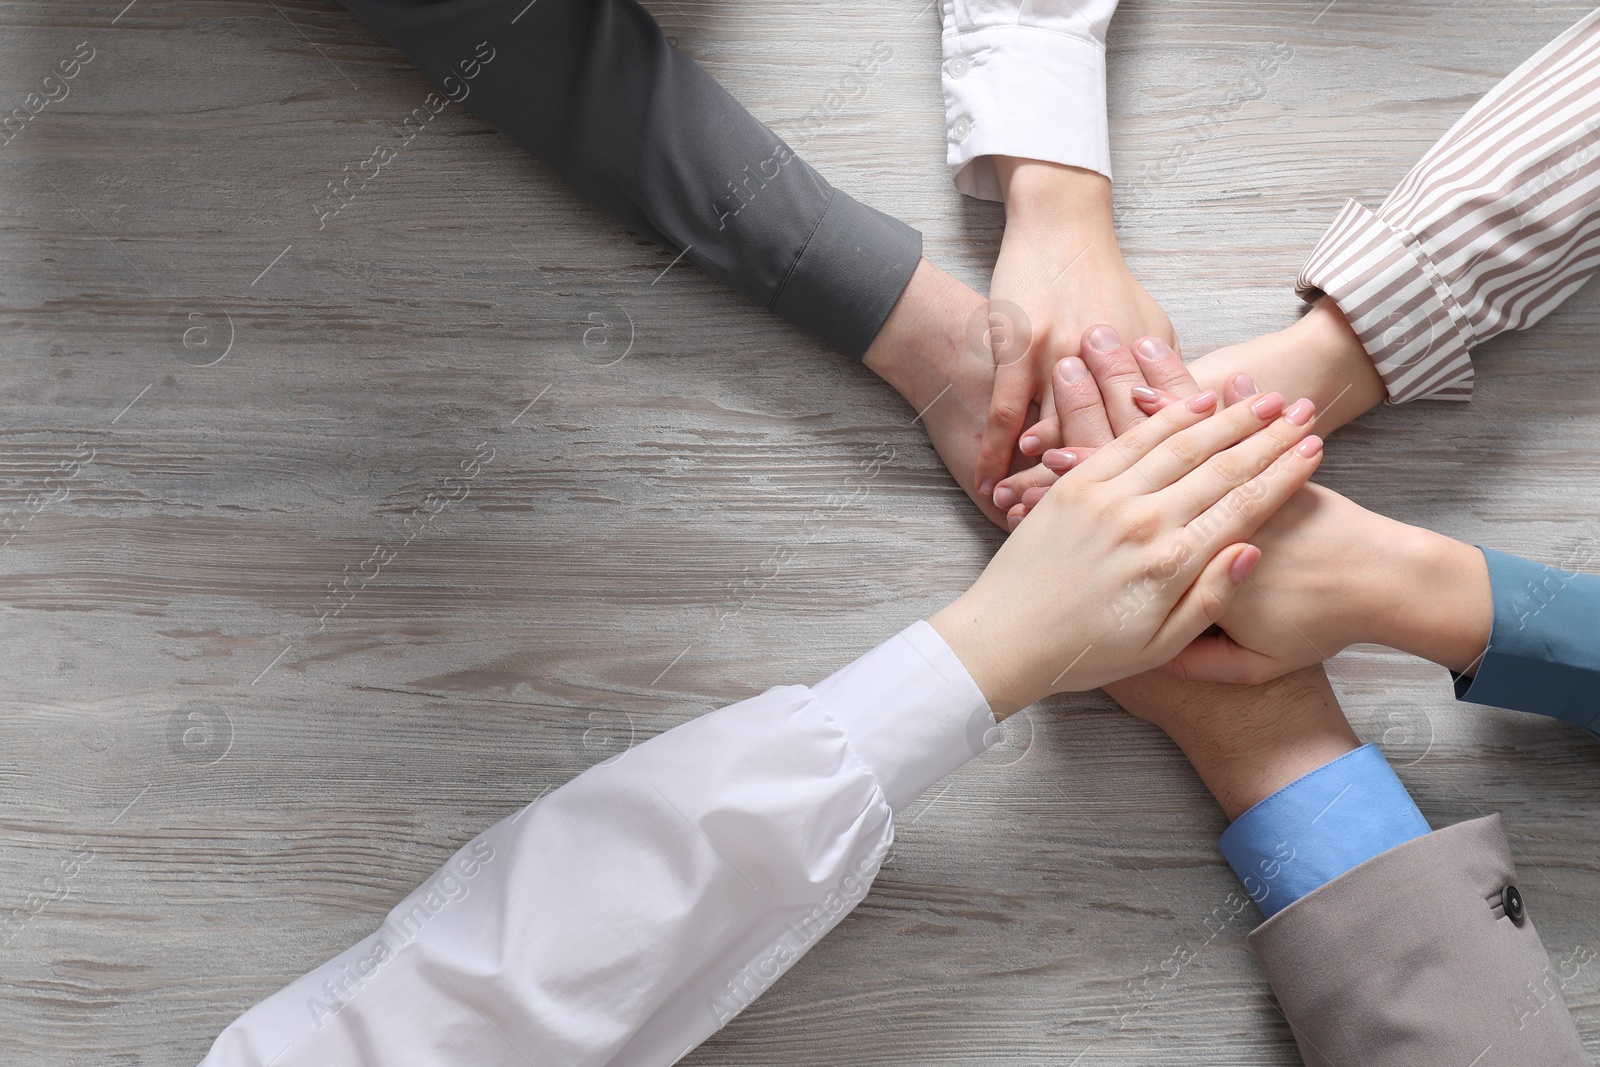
[(1066, 202), (1001, 675), (923, 343), (1439, 603), (1338, 358), (1319, 357), (1245, 742)]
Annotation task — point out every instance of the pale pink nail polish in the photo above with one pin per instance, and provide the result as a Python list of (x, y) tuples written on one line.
[(1005, 498), (1269, 406), (1309, 447), (1029, 445), (1244, 385), (1245, 563), (1202, 401), (1145, 394), (1300, 413)]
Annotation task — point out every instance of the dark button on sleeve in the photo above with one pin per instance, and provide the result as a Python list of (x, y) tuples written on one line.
[(1511, 900)]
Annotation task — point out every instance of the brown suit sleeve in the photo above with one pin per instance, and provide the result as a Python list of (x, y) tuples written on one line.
[(1410, 959)]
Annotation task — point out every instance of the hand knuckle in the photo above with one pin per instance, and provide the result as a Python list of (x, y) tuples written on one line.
[(1083, 394), (1122, 378), (1142, 528), (1243, 505), (1229, 470), (1183, 451), (1007, 411)]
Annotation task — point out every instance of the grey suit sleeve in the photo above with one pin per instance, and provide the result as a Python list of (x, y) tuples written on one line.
[(1544, 643), (1410, 960), (593, 88)]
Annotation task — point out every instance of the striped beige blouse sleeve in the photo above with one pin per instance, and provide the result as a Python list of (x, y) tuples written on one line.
[(1496, 226)]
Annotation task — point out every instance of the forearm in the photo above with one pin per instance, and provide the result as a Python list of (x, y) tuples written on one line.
[(925, 346), (1435, 602), (1048, 196), (1067, 211), (1245, 742), (1306, 801), (627, 915), (1490, 231), (1543, 652), (593, 88)]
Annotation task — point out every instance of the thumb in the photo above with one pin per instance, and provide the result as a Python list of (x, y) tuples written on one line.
[(1206, 601), (1008, 411), (1219, 658)]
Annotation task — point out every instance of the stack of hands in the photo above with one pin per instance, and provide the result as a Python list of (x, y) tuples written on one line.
[(1165, 543), (1038, 403), (1332, 574)]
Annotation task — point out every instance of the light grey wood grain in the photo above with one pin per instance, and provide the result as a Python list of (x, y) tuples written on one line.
[(255, 791)]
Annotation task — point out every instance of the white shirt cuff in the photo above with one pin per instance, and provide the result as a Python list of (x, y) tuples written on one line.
[(1027, 92), (910, 712)]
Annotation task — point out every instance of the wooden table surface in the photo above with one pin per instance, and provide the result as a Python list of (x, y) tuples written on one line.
[(214, 409)]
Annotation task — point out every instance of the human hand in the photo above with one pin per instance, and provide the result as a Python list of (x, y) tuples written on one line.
[(1133, 553), (1331, 583), (1096, 397), (1339, 575), (926, 351), (1319, 357), (1059, 270), (1335, 575)]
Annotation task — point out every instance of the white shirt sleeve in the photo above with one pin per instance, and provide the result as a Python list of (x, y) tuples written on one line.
[(625, 917), (1024, 78)]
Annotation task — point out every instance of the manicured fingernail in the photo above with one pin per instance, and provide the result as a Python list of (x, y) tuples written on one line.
[(1146, 394), (1152, 348), (1269, 406), (1058, 459), (1245, 563), (1013, 521), (1005, 498), (1034, 495), (1244, 385), (1103, 339), (1029, 445), (1309, 447), (1301, 411), (1202, 401), (986, 488), (1074, 369)]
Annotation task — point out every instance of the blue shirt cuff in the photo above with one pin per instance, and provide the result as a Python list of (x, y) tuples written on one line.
[(1544, 643), (1319, 826)]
